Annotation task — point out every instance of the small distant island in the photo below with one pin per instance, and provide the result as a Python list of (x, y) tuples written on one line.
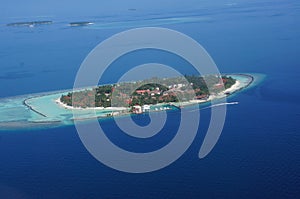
[(30, 23), (82, 23), (164, 91)]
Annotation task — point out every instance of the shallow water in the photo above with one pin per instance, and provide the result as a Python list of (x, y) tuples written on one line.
[(257, 155), (41, 109)]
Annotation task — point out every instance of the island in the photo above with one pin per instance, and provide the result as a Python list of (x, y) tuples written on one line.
[(164, 91), (58, 108), (30, 23)]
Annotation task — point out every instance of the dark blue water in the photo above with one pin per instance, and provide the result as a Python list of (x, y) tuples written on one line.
[(257, 156)]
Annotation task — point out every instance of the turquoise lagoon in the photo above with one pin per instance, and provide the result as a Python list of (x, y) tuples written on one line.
[(42, 109)]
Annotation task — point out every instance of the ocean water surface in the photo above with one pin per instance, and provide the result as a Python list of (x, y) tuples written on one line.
[(258, 153)]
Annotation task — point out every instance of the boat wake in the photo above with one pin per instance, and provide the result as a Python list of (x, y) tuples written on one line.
[(216, 105)]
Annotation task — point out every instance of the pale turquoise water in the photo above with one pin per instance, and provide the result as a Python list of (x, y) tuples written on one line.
[(257, 155), (49, 111)]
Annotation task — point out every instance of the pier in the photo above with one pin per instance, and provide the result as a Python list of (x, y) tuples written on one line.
[(32, 109)]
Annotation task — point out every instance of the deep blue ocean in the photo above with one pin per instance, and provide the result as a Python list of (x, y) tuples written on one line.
[(258, 153)]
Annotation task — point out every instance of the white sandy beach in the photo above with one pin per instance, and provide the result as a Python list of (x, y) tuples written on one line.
[(237, 86), (57, 101), (233, 88), (47, 108)]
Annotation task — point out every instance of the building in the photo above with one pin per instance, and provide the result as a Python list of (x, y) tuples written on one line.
[(137, 109), (146, 108)]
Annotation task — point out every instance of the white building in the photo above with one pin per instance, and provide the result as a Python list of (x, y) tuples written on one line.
[(137, 109), (146, 108)]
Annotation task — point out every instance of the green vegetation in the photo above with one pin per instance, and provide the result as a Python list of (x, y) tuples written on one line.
[(228, 82), (164, 90)]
